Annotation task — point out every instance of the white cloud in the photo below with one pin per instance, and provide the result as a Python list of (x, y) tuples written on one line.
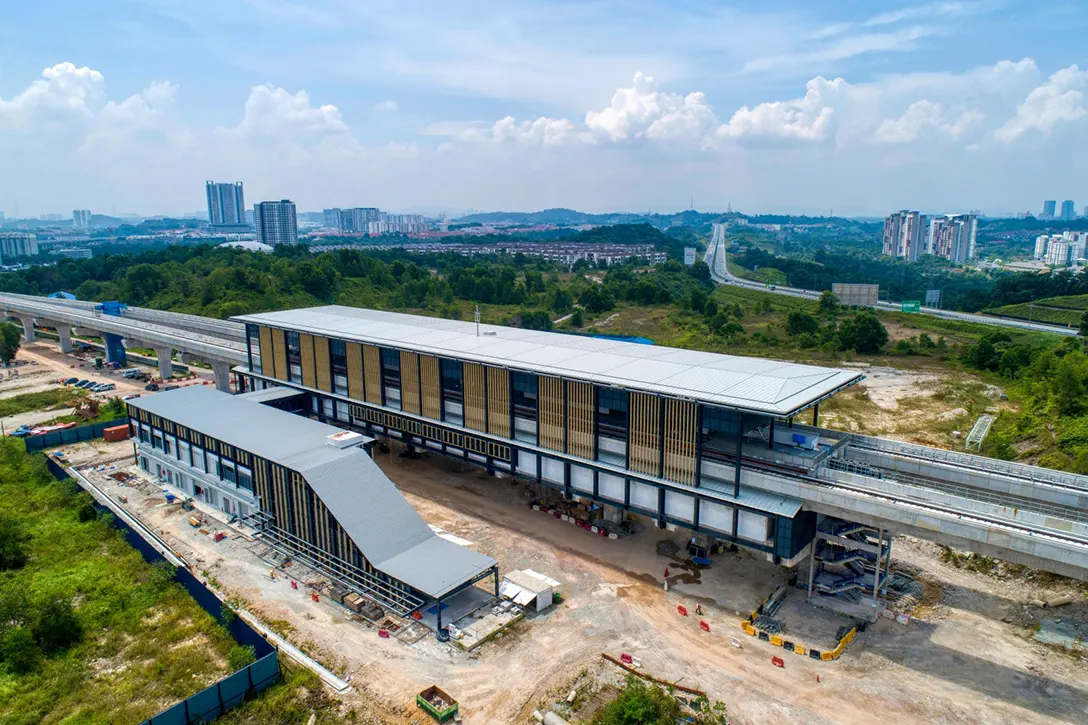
[(643, 111), (63, 91), (272, 111), (386, 106), (1060, 100), (547, 131), (141, 110), (804, 119)]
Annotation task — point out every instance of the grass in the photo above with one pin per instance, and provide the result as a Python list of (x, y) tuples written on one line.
[(145, 645), (1038, 312), (290, 702), (41, 400), (1070, 302)]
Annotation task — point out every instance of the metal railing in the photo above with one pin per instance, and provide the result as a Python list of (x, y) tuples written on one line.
[(1034, 474), (1007, 501)]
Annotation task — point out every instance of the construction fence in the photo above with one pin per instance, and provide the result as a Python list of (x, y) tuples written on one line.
[(749, 627), (70, 435), (232, 690)]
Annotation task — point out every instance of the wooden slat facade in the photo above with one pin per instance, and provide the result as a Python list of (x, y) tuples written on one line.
[(431, 383), (321, 362), (581, 411), (550, 419), (679, 441), (279, 354), (355, 370), (409, 382), (498, 402), (306, 348), (644, 437), (268, 365), (372, 370), (475, 396)]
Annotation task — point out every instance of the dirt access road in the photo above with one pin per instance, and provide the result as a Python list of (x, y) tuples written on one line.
[(960, 663)]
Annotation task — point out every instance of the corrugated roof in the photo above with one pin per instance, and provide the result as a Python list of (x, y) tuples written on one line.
[(385, 527), (772, 387)]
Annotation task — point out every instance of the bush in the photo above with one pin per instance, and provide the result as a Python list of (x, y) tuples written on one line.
[(799, 322), (863, 334), (18, 650), (12, 538), (240, 656), (162, 575), (57, 626), (640, 704)]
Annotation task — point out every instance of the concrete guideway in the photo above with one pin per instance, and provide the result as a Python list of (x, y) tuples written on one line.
[(221, 352), (719, 271)]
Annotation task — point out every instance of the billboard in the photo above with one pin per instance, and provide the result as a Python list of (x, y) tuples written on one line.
[(689, 256), (912, 306), (933, 298), (856, 295)]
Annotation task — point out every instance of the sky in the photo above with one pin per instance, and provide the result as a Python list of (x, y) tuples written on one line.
[(855, 107)]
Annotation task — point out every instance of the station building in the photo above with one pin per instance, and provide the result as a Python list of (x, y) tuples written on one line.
[(311, 491), (678, 436)]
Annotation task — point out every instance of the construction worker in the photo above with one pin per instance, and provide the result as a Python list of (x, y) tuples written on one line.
[(666, 572), (698, 608)]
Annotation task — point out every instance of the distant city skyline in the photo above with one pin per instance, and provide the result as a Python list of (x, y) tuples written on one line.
[(798, 107)]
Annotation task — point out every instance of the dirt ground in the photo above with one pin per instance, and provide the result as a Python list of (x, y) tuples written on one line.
[(967, 658)]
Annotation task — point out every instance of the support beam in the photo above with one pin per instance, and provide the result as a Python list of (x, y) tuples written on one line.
[(64, 335), (816, 416), (736, 470), (770, 435), (876, 574), (165, 356), (811, 566), (28, 328), (222, 376)]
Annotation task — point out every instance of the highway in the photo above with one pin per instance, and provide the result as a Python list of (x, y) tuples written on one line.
[(719, 271)]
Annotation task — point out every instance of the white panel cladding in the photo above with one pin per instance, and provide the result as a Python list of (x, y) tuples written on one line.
[(644, 496), (551, 469), (581, 478), (527, 463), (611, 445), (609, 486), (524, 425), (454, 409), (478, 458), (753, 527), (679, 506), (716, 516)]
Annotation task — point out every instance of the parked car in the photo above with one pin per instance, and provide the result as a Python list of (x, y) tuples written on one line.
[(151, 386), (131, 397), (104, 387), (84, 384), (171, 387), (131, 373), (71, 381)]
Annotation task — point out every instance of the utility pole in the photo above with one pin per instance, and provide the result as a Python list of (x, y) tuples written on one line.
[(477, 320)]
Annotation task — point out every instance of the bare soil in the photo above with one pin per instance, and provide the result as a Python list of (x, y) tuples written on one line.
[(967, 659)]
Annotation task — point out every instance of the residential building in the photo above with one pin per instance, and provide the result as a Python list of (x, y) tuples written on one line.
[(276, 222), (1058, 252), (905, 235), (953, 237), (1041, 243), (1049, 207), (17, 244), (1069, 211), (656, 431), (226, 204), (81, 218), (330, 218), (311, 492), (74, 253)]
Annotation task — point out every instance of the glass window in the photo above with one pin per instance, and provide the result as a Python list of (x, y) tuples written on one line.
[(253, 347), (612, 412), (245, 479), (525, 392), (391, 368), (338, 356)]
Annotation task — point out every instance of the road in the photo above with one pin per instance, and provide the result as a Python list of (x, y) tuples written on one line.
[(719, 270)]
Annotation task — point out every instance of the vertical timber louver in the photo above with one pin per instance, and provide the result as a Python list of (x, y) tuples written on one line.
[(321, 362), (645, 437), (306, 347), (355, 370), (268, 363), (580, 413), (498, 402), (409, 382), (551, 412), (279, 354), (372, 369), (475, 397), (679, 441), (431, 384)]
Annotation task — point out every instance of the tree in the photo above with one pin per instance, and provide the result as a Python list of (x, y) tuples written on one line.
[(640, 704), (577, 319), (863, 333), (19, 651), (12, 538), (595, 299), (57, 626), (799, 322), (9, 341), (829, 303), (1084, 324)]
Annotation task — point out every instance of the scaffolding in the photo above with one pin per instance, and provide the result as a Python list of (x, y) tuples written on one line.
[(979, 431)]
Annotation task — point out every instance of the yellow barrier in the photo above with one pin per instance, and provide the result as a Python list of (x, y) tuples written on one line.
[(747, 626), (776, 640)]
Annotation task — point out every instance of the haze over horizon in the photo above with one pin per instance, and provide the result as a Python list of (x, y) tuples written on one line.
[(598, 106)]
